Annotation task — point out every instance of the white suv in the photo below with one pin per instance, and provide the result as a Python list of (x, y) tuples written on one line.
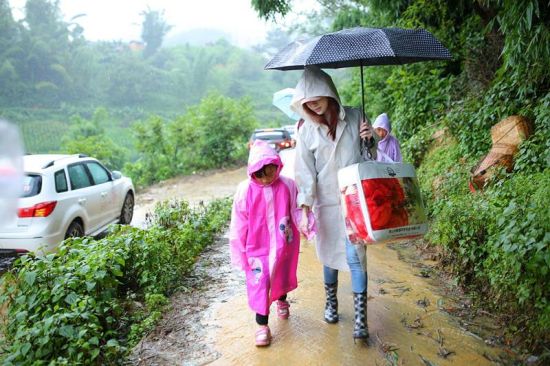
[(65, 196)]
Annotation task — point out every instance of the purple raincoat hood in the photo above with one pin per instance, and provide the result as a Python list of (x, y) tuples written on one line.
[(388, 147), (382, 121), (262, 154)]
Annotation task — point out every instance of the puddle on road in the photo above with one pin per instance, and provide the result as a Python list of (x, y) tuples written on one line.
[(405, 325)]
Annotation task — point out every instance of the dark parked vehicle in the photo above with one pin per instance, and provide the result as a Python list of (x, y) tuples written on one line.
[(278, 138)]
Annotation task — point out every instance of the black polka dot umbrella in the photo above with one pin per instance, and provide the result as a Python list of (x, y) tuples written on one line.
[(361, 47)]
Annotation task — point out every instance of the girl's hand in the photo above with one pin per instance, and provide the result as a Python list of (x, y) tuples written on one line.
[(304, 225), (365, 130)]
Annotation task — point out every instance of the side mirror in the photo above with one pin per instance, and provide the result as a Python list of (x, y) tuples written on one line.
[(115, 174)]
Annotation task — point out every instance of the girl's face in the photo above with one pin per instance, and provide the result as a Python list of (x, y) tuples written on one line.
[(380, 132), (319, 106), (267, 174)]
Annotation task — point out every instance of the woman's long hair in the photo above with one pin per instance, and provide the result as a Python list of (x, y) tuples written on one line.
[(329, 118)]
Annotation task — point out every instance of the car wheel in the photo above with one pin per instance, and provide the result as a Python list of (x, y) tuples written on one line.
[(127, 211), (75, 230)]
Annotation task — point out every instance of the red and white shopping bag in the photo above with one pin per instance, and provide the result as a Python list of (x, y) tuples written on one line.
[(381, 202)]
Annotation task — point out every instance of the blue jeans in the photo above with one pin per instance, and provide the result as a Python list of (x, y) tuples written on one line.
[(359, 278)]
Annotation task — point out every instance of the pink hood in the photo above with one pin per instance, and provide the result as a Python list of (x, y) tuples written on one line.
[(262, 154)]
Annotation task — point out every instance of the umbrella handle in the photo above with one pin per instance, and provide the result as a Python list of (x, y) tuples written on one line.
[(364, 143), (367, 144)]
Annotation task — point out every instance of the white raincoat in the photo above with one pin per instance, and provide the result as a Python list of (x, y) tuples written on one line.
[(318, 159)]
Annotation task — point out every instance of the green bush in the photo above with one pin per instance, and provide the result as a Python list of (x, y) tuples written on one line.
[(458, 218), (79, 306), (211, 135), (498, 243), (495, 242), (420, 95), (534, 153), (443, 174), (519, 245)]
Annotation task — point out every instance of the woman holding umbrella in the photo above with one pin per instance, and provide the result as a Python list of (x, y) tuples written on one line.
[(328, 141)]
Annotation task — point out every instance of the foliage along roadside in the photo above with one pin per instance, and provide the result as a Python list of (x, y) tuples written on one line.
[(210, 135), (94, 299), (495, 242)]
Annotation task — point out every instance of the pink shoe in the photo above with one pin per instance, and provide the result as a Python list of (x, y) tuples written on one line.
[(282, 309), (263, 336)]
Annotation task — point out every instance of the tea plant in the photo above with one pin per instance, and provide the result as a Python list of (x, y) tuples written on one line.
[(94, 299)]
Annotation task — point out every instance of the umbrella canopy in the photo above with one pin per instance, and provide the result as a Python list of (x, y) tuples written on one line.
[(361, 47), (282, 99)]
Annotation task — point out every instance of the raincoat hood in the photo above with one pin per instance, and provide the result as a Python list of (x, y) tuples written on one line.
[(314, 83), (388, 149), (262, 154), (382, 121)]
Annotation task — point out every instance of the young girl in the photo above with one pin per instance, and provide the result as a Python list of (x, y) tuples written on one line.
[(264, 236), (388, 146)]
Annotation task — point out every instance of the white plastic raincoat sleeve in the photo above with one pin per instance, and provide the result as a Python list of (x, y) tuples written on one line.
[(307, 174), (238, 228)]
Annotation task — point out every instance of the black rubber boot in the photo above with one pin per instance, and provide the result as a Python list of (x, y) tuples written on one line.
[(360, 328), (331, 306)]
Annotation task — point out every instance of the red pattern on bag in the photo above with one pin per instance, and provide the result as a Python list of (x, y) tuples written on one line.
[(355, 223), (385, 202)]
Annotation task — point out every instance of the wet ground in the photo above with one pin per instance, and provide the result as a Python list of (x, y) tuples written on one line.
[(413, 317), (411, 321), (192, 188)]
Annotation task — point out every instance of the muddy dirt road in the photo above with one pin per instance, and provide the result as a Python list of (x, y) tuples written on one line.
[(412, 319)]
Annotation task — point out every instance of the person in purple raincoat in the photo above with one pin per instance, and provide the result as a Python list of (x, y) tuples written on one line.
[(388, 145), (264, 236)]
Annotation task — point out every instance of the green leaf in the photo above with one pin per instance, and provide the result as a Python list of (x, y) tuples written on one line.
[(66, 331), (112, 343), (529, 15), (48, 322), (30, 277), (117, 272), (71, 298), (20, 316), (25, 348), (90, 285)]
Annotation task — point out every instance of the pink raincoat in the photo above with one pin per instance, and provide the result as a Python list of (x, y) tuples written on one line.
[(263, 234)]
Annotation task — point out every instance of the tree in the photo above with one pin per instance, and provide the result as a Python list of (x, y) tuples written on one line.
[(89, 137), (153, 30), (9, 49), (9, 31), (275, 40), (223, 126), (268, 9), (46, 44)]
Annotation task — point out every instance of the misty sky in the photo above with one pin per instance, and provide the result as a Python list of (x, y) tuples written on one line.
[(120, 19)]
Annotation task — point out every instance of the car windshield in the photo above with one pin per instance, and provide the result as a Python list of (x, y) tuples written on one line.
[(269, 135), (32, 185)]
